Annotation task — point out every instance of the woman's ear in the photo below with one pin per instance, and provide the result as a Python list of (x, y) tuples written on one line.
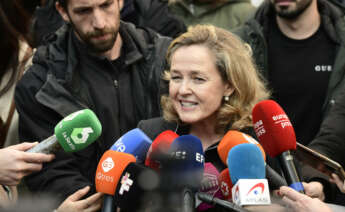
[(229, 90)]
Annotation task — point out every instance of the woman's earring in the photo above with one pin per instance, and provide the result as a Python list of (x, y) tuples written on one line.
[(226, 98)]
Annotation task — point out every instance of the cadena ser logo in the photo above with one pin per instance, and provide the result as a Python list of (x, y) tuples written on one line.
[(108, 164), (80, 135), (256, 189)]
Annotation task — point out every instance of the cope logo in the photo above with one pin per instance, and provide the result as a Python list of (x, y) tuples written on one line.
[(80, 135), (257, 189), (126, 183), (108, 164)]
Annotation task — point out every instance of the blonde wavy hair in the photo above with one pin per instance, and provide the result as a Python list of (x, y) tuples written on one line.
[(234, 62)]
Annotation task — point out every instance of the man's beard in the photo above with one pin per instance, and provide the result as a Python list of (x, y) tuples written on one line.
[(284, 12), (99, 46)]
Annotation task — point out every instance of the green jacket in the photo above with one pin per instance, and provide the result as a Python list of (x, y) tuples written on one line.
[(227, 14), (254, 33)]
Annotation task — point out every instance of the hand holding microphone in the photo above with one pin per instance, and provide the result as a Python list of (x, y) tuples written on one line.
[(73, 133), (277, 136), (15, 163)]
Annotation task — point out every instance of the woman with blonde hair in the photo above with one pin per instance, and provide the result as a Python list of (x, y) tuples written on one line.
[(213, 86)]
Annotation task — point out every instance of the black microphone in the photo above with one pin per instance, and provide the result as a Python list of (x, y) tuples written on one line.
[(223, 203)]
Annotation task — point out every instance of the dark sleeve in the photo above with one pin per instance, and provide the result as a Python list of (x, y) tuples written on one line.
[(155, 14), (330, 140), (61, 177)]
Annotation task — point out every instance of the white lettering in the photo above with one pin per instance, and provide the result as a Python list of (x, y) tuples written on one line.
[(199, 157), (101, 176)]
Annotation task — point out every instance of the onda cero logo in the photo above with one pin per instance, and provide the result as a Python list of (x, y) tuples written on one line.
[(256, 189), (107, 164)]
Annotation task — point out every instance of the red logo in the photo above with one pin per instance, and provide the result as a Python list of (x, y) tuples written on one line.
[(259, 185)]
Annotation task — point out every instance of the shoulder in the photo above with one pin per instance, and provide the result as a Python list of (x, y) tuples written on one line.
[(153, 127)]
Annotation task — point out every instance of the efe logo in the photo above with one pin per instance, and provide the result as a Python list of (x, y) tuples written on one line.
[(107, 164)]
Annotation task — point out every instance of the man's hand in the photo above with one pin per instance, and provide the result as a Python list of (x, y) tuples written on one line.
[(73, 202), (314, 189), (15, 163), (302, 203), (340, 184)]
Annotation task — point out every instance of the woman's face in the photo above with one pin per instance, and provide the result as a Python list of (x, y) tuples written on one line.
[(196, 87)]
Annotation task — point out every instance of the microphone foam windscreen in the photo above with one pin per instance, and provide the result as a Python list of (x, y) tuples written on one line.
[(233, 138), (159, 147), (210, 185), (225, 184), (187, 161), (273, 128), (245, 161), (78, 130), (134, 187), (134, 142), (109, 170)]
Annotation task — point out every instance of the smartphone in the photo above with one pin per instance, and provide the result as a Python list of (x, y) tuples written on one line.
[(319, 161)]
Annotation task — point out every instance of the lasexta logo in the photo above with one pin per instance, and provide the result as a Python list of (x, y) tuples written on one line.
[(80, 135)]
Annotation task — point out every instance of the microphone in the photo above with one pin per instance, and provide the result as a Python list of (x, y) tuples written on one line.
[(233, 138), (209, 185), (277, 136), (159, 148), (225, 204), (225, 184), (247, 172), (183, 171), (134, 142), (108, 173), (73, 133)]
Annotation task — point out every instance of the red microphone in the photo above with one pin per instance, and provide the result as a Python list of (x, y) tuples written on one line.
[(108, 173), (225, 184), (159, 147), (276, 134)]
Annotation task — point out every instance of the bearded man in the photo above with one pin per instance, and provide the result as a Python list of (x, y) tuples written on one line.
[(299, 47), (96, 61)]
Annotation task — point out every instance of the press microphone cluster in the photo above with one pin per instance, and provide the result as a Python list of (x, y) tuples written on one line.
[(73, 133)]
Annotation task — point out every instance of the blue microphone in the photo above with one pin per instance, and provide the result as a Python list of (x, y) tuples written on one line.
[(247, 172), (245, 161), (134, 142)]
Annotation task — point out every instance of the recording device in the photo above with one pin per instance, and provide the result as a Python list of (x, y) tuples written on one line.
[(247, 172), (73, 133), (109, 171), (159, 148), (134, 142), (319, 161), (277, 136), (183, 172), (233, 138)]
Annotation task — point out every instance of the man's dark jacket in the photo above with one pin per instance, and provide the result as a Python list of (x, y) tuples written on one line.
[(52, 88), (254, 32)]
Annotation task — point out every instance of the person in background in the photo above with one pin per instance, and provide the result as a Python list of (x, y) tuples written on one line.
[(16, 54), (299, 47), (226, 14), (153, 14), (94, 61)]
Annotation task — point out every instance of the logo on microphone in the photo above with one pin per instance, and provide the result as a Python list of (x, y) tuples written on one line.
[(80, 135), (126, 183), (119, 146), (107, 164), (255, 189), (225, 188)]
